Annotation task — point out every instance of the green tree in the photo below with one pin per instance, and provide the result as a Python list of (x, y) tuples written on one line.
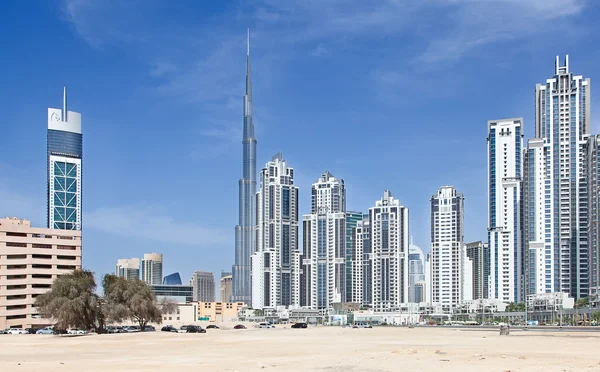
[(514, 307), (582, 302), (596, 317), (71, 301)]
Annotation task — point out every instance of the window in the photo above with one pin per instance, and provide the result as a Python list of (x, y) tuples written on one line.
[(16, 256), (41, 285), (40, 266), (67, 247), (13, 244), (41, 276), (42, 256), (45, 246), (70, 258), (18, 286), (11, 277), (16, 307), (12, 267), (16, 297), (65, 267), (24, 235)]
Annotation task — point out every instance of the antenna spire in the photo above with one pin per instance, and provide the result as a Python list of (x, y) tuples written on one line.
[(248, 42), (64, 110)]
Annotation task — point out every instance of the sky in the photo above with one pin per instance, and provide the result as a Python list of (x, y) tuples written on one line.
[(385, 94)]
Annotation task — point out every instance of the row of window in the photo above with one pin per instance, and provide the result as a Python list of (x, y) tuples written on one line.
[(25, 235)]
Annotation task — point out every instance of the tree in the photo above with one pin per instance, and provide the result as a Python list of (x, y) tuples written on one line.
[(71, 301), (133, 299), (515, 307), (582, 302)]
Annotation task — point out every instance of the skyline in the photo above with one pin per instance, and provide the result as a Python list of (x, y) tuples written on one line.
[(140, 217)]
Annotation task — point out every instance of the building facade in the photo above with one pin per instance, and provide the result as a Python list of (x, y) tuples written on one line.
[(203, 283), (562, 120), (219, 311), (276, 263), (152, 268), (178, 293), (172, 279), (416, 273), (65, 157), (352, 220), (30, 259), (225, 288), (323, 277), (505, 145), (390, 246), (245, 234), (479, 255), (128, 268), (592, 175), (362, 264), (447, 244)]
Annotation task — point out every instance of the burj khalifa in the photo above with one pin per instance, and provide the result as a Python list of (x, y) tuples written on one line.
[(245, 231)]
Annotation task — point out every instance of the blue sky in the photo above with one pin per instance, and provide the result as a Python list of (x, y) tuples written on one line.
[(389, 94)]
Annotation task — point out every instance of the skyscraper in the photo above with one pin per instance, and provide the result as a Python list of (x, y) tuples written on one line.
[(505, 144), (203, 284), (128, 268), (390, 247), (479, 254), (352, 220), (416, 272), (245, 234), (323, 279), (362, 264), (65, 156), (276, 263), (592, 173), (562, 120), (152, 268), (447, 245)]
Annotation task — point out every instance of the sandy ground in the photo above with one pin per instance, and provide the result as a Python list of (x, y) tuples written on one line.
[(314, 349)]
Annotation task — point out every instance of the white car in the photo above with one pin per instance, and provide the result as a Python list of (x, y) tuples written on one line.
[(76, 332), (17, 331), (265, 325)]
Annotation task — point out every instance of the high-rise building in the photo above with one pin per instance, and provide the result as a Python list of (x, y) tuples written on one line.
[(447, 245), (323, 279), (152, 268), (416, 272), (505, 144), (592, 175), (172, 279), (562, 120), (479, 255), (225, 288), (203, 283), (362, 260), (30, 259), (65, 156), (128, 268), (276, 263), (352, 220), (390, 247), (245, 231)]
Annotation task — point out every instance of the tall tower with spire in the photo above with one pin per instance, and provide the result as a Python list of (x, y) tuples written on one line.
[(245, 231), (65, 155)]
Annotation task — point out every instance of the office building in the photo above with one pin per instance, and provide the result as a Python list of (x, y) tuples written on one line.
[(203, 283), (245, 233), (276, 263), (447, 245), (562, 120), (30, 259), (352, 220), (390, 246), (152, 268), (592, 177), (178, 293), (479, 255), (323, 278), (128, 268), (65, 156), (428, 280), (505, 144), (225, 288), (416, 272), (172, 279)]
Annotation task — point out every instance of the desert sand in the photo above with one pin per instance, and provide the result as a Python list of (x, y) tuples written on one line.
[(313, 349)]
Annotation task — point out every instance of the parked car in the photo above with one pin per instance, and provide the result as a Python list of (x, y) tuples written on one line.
[(31, 331), (75, 331), (266, 325), (131, 329), (16, 331), (299, 325), (168, 328), (195, 329), (239, 326), (45, 331), (212, 326), (149, 328)]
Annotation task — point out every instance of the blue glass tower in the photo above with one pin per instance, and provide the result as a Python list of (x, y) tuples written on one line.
[(65, 154), (245, 231)]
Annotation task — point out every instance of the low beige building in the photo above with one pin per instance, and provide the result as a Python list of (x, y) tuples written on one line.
[(219, 311), (226, 288), (185, 313), (30, 259)]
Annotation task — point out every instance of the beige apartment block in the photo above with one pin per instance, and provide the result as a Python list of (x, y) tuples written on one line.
[(30, 259), (225, 288), (219, 311)]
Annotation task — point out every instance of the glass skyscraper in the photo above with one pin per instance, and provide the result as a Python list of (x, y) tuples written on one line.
[(245, 231), (65, 154)]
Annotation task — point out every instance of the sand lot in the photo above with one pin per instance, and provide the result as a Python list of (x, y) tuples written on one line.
[(313, 349)]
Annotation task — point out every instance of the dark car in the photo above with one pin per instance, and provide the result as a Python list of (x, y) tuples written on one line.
[(299, 325), (32, 331), (149, 328), (239, 326), (212, 326), (168, 329), (195, 329)]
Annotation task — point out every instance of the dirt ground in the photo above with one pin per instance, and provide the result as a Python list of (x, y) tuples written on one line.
[(314, 349)]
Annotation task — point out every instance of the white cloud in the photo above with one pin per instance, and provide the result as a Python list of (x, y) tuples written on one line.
[(149, 223)]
